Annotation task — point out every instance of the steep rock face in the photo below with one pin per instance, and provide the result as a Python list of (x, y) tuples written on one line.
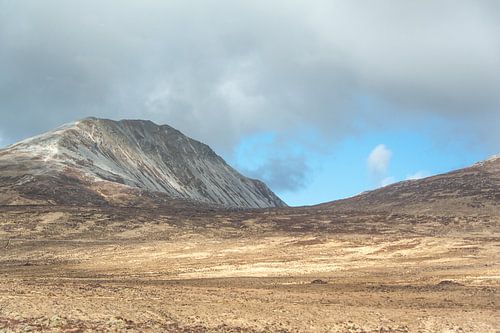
[(103, 157), (471, 190)]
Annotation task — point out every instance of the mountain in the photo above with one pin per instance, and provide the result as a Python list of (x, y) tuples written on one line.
[(472, 190), (100, 161)]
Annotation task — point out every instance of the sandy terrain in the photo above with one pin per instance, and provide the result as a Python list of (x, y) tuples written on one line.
[(234, 273)]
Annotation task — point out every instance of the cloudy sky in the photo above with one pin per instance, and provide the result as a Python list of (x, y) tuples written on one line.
[(322, 99)]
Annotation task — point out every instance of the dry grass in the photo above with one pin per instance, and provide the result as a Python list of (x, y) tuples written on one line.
[(67, 269)]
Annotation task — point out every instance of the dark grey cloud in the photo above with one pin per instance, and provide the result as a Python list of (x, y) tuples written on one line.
[(282, 174), (220, 70)]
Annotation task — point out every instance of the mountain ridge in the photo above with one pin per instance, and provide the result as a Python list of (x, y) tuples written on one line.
[(473, 189), (138, 154)]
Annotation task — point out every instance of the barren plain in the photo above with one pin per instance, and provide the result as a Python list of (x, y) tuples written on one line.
[(309, 269)]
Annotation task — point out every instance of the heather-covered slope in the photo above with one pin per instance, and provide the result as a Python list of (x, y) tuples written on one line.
[(472, 190)]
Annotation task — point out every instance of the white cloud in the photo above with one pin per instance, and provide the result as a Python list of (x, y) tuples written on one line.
[(378, 160), (387, 181), (378, 163), (417, 175)]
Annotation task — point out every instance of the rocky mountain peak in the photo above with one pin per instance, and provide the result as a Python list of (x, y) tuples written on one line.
[(138, 154)]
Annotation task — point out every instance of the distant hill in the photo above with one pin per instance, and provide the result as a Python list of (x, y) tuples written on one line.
[(475, 190)]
